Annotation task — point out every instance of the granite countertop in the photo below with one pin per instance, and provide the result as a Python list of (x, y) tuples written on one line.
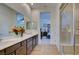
[(11, 40)]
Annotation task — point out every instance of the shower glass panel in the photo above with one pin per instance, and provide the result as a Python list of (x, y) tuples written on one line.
[(76, 28), (66, 29)]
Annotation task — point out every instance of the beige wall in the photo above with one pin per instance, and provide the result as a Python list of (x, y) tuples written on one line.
[(8, 15), (35, 17), (56, 27), (7, 19)]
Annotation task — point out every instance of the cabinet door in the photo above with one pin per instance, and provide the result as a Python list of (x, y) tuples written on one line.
[(2, 52), (21, 50), (29, 45), (29, 42), (12, 53), (29, 50), (12, 49), (36, 39)]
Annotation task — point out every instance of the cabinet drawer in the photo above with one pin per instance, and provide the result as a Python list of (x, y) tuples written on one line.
[(28, 40), (29, 43), (23, 43), (2, 52), (12, 48)]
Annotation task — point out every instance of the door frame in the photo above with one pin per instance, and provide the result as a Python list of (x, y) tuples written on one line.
[(50, 27)]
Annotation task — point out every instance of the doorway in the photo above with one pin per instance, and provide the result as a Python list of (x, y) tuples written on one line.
[(45, 30)]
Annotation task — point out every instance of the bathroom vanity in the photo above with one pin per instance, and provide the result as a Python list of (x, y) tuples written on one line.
[(19, 45)]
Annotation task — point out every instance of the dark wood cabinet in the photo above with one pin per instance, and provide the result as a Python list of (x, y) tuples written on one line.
[(12, 53), (36, 39), (29, 45), (22, 48), (2, 52), (12, 49), (34, 42), (29, 42), (29, 50)]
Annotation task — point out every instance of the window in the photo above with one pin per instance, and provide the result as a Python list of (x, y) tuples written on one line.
[(20, 19)]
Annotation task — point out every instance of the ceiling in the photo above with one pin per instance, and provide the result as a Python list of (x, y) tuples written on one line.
[(44, 5), (20, 7)]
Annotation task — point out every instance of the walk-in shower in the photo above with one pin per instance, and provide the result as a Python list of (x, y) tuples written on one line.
[(69, 28)]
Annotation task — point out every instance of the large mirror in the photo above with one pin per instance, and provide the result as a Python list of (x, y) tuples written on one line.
[(19, 19)]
